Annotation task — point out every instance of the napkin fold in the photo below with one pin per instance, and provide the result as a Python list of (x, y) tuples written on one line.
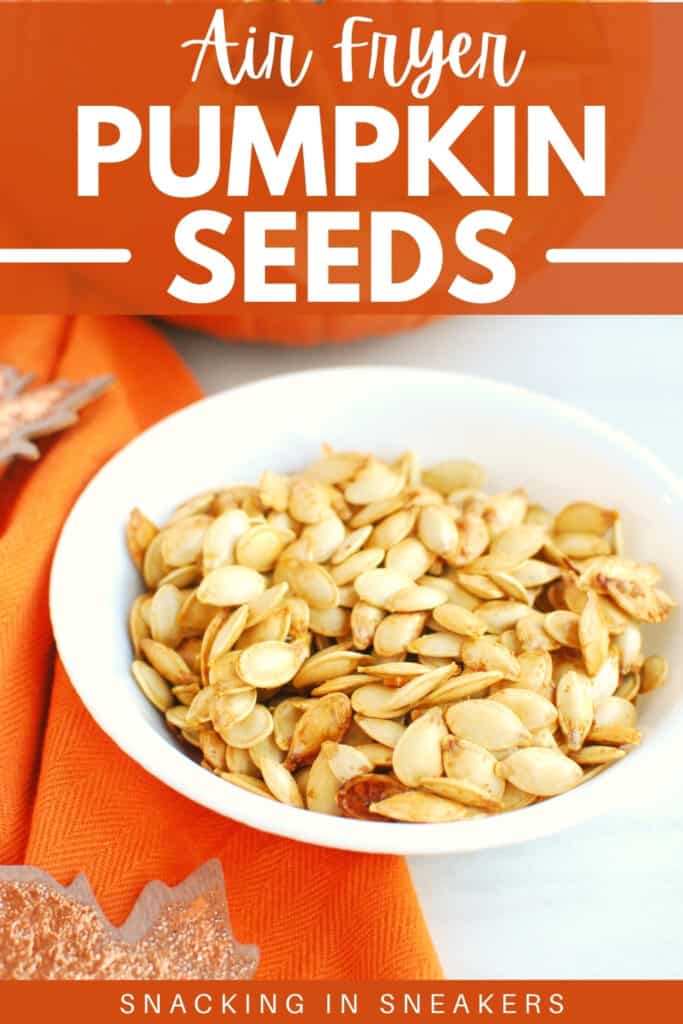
[(70, 801)]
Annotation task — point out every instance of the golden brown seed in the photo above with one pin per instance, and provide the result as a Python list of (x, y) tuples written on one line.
[(345, 762), (417, 754), (137, 626), (540, 771), (140, 532), (190, 651), (511, 587), (416, 598), (375, 511), (536, 672), (281, 782), (581, 545), (212, 748), (248, 782), (458, 620), (499, 616), (377, 586), (335, 467), (394, 528), (534, 573), (365, 618), (515, 799), (453, 475), (230, 585), (324, 537), (356, 796), (485, 655), (181, 543), (334, 661), (630, 648), (322, 787), (260, 547), (534, 710), (155, 688), (481, 588), (277, 626), (395, 673), (517, 544), (267, 665), (315, 584), (420, 686), (629, 687), (228, 632), (564, 627), (606, 681), (640, 601), (250, 730), (437, 530), (584, 517), (503, 511), (409, 557), (396, 632), (285, 716), (473, 539), (614, 723), (487, 723), (532, 634), (194, 616), (309, 502), (376, 701), (469, 684), (387, 732), (593, 636), (194, 506), (327, 719), (356, 565), (237, 760), (596, 754), (378, 755), (331, 622), (574, 698), (154, 568), (374, 482), (473, 770), (228, 708), (167, 662), (199, 709), (274, 491), (177, 717), (654, 675), (438, 645), (342, 684), (417, 806), (352, 543)]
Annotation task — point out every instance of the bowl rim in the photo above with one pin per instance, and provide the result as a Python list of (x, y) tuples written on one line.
[(162, 760)]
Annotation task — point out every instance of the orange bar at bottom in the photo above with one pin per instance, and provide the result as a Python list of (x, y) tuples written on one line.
[(571, 1002)]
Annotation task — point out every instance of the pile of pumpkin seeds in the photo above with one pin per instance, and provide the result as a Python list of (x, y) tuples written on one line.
[(368, 639)]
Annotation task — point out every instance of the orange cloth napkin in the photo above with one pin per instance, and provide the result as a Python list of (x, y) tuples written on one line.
[(70, 801)]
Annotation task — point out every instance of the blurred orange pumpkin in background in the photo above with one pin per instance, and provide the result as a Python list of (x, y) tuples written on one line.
[(286, 325)]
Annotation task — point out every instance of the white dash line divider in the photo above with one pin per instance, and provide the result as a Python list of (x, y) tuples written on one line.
[(65, 255), (614, 256)]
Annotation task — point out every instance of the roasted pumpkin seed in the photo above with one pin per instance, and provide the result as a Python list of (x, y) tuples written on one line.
[(406, 597)]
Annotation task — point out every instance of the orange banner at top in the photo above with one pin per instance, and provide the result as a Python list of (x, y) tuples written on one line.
[(428, 158)]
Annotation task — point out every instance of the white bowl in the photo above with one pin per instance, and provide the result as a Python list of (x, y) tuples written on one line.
[(557, 452)]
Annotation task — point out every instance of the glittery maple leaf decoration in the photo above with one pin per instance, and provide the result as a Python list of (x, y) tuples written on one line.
[(49, 932), (28, 414)]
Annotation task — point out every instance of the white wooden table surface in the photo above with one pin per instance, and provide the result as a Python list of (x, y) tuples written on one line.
[(604, 899)]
